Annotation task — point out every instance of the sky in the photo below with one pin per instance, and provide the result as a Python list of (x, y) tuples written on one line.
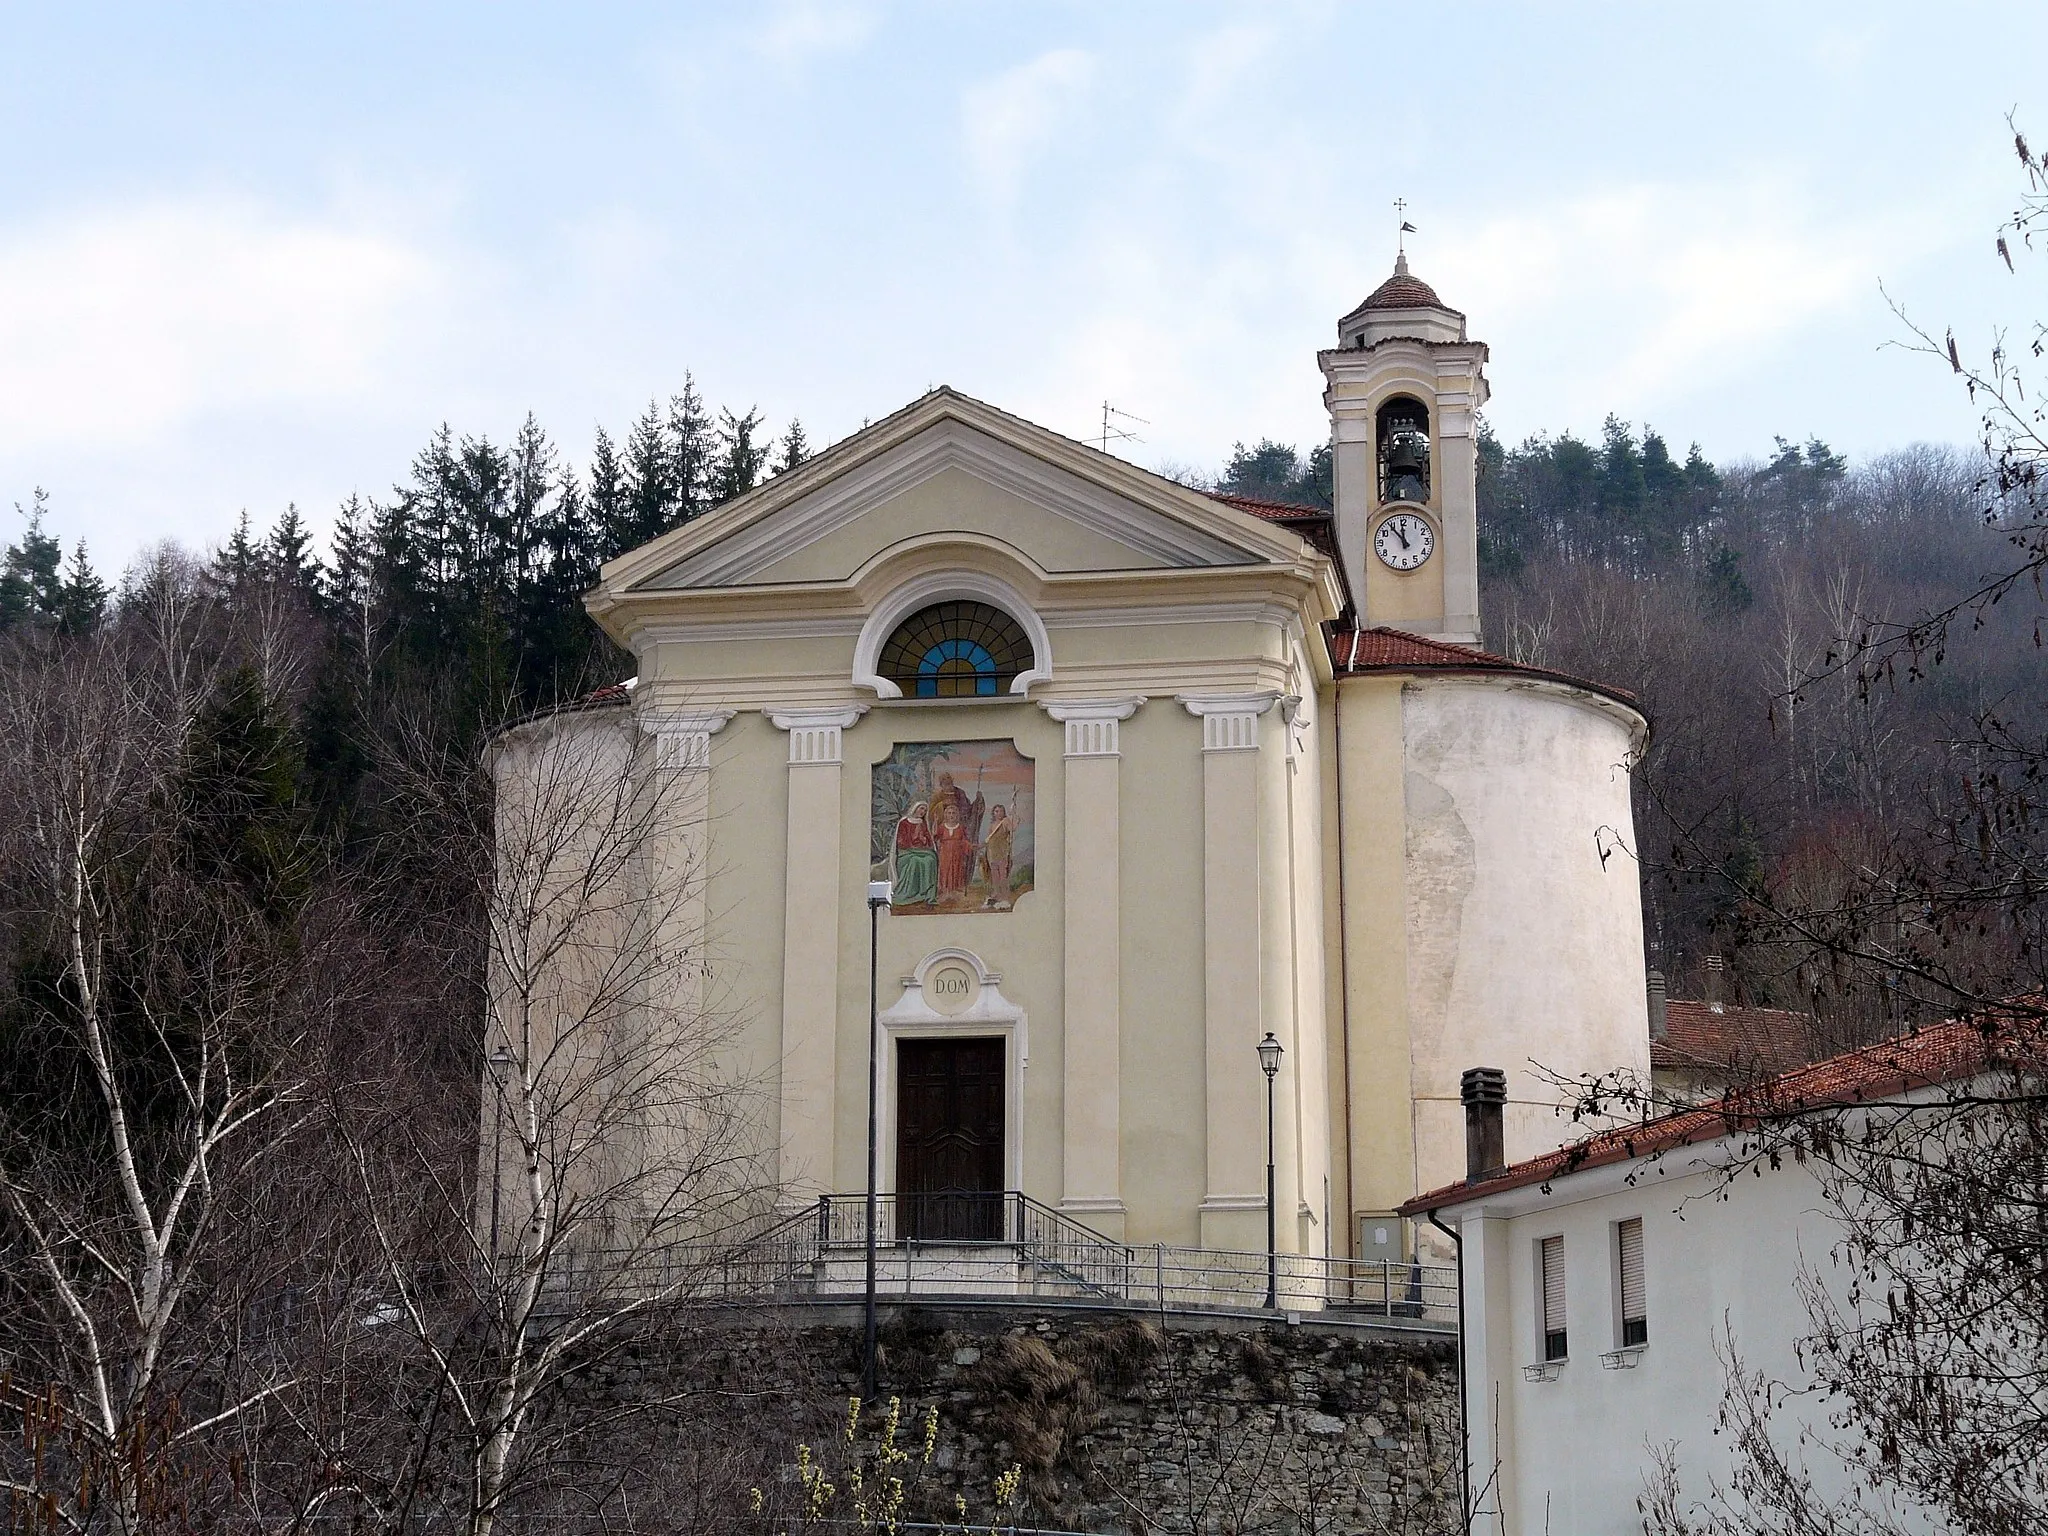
[(254, 254)]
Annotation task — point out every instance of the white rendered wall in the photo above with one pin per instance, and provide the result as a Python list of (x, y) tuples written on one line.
[(1573, 1453), (1524, 944)]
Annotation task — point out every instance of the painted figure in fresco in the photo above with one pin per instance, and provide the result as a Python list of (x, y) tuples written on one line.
[(956, 829), (996, 853), (916, 873)]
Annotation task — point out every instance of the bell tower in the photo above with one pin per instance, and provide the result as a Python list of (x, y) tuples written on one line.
[(1403, 386)]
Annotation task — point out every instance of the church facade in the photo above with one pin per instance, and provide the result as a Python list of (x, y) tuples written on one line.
[(1152, 775)]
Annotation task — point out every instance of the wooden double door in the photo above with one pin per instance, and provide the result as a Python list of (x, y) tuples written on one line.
[(949, 1140)]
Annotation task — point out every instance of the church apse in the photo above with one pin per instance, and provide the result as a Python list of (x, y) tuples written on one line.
[(953, 826)]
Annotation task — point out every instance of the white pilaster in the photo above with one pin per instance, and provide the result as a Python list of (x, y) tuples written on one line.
[(1092, 1086), (683, 736), (1233, 1206), (810, 943)]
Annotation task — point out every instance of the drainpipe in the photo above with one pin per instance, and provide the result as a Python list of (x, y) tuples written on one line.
[(1464, 1381)]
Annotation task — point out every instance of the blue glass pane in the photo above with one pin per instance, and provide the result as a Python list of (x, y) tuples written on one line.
[(956, 650)]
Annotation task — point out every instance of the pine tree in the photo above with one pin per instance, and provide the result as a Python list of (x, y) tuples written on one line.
[(82, 600), (795, 449), (349, 580), (740, 459), (240, 792), (31, 584), (692, 454), (610, 500), (288, 552), (650, 484), (238, 561), (1621, 492)]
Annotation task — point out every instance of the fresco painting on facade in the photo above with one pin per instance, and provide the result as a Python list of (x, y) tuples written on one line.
[(952, 826)]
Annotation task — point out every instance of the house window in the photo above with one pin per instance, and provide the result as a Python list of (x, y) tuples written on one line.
[(1628, 1253), (1550, 1275), (956, 650)]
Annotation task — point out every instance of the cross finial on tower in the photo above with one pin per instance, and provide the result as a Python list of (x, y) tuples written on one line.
[(1401, 237)]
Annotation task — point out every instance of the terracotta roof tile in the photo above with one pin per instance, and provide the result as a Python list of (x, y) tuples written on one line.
[(1922, 1059), (1401, 292), (1735, 1042), (1355, 652), (1271, 511)]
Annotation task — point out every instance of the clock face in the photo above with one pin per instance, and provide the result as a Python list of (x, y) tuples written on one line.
[(1403, 541)]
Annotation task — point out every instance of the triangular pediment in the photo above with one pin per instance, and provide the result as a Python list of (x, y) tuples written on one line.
[(950, 465)]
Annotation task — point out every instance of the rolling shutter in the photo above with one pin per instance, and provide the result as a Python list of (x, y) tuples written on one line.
[(1635, 1325), (1552, 1265)]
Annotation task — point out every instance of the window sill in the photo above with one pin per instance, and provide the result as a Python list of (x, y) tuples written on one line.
[(1544, 1370), (978, 699), (1624, 1359)]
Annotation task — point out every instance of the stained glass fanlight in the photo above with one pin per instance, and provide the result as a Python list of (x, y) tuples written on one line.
[(956, 650)]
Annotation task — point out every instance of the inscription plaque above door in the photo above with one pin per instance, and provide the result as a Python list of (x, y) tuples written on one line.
[(951, 986)]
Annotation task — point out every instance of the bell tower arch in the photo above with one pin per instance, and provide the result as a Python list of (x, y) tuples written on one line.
[(1403, 387)]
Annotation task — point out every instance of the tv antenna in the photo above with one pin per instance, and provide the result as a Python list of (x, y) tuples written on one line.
[(1113, 431)]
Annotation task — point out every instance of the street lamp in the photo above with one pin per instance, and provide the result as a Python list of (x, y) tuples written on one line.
[(500, 1060), (1270, 1051), (878, 898)]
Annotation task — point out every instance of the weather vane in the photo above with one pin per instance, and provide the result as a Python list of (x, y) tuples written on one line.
[(1407, 229)]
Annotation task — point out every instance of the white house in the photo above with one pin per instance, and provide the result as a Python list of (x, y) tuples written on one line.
[(1601, 1286)]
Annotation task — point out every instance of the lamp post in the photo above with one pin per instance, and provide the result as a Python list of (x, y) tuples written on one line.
[(499, 1061), (1270, 1051), (878, 898)]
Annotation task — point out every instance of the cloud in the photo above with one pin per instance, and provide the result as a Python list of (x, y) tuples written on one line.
[(1641, 293), (1010, 118), (119, 325), (802, 28)]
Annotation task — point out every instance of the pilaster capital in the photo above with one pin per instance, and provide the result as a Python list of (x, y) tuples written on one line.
[(815, 731), (1230, 721), (1092, 723), (683, 736)]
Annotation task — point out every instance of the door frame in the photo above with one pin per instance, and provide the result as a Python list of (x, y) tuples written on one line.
[(987, 1015)]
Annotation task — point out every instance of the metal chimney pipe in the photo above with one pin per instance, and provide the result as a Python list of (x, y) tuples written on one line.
[(1659, 1020), (1484, 1093)]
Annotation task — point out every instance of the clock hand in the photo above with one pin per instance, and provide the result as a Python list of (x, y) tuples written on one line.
[(1400, 535)]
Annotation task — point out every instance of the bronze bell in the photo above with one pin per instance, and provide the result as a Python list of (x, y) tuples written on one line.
[(1407, 463)]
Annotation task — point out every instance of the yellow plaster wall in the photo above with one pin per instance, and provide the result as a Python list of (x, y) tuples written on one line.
[(1368, 916), (1164, 1139)]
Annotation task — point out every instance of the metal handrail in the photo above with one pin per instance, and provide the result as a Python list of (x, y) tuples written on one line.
[(1004, 1243)]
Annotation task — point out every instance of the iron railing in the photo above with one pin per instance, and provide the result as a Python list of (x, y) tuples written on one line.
[(1005, 1244)]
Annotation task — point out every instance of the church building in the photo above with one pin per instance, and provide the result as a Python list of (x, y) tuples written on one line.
[(1153, 775)]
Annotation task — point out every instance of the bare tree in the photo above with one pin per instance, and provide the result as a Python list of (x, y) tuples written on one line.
[(167, 1042), (621, 1156)]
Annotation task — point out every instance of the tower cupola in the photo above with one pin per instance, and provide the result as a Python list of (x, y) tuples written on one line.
[(1403, 386)]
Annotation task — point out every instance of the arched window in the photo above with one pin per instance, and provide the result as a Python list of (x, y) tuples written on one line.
[(956, 650), (1404, 450)]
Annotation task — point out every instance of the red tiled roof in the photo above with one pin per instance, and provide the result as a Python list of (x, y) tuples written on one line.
[(1355, 652), (1925, 1058), (1271, 511), (1401, 292), (1738, 1042)]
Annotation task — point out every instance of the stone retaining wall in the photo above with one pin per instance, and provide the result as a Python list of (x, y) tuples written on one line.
[(1119, 1424)]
